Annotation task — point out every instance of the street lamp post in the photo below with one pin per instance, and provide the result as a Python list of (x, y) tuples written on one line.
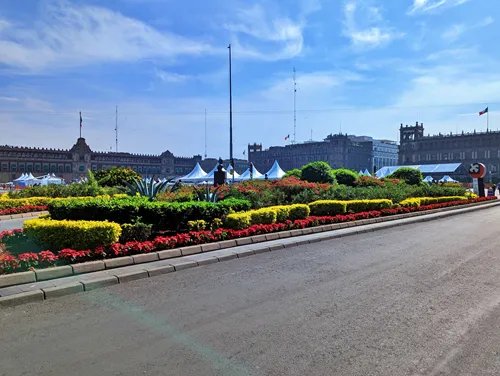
[(231, 115)]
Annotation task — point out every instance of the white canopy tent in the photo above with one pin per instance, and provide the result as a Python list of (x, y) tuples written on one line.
[(195, 176), (210, 176), (229, 176), (275, 173), (22, 177), (447, 179), (367, 173), (246, 175), (428, 179)]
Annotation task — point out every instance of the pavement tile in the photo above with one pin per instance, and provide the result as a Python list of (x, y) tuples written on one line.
[(119, 261), (24, 297), (38, 285), (244, 252), (99, 281), (274, 236), (191, 250), (17, 278), (258, 250), (284, 234), (184, 264), (210, 247), (244, 241), (307, 231), (297, 232), (70, 288), (169, 253), (51, 273), (259, 238), (12, 290), (87, 267), (227, 257), (276, 247), (227, 244), (159, 270), (129, 275), (146, 257)]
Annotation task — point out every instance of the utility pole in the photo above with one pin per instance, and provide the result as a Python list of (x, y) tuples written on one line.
[(116, 130), (231, 114), (205, 133), (294, 106)]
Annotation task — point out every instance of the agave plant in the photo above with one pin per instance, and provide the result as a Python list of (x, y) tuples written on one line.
[(205, 194), (148, 189)]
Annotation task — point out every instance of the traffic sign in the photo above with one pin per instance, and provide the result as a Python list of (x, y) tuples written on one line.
[(477, 170)]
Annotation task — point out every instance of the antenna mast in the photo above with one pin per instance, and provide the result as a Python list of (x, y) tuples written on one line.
[(205, 133), (116, 130), (294, 106)]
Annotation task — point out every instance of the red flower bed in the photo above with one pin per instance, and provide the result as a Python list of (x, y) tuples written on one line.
[(23, 209), (26, 261)]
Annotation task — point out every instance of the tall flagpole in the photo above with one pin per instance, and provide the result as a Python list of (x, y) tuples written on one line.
[(488, 118), (230, 113), (80, 124)]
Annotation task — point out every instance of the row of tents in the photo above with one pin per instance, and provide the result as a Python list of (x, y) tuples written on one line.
[(197, 175), (28, 179)]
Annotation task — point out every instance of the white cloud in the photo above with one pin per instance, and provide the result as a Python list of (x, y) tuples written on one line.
[(277, 37), (422, 6), (455, 31), (67, 35), (367, 36), (172, 77)]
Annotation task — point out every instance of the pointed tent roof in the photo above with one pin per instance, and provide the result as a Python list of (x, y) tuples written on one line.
[(246, 175), (21, 178), (275, 172), (367, 173), (428, 179), (229, 168), (211, 173), (197, 174)]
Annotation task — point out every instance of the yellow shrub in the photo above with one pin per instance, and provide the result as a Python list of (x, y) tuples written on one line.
[(238, 221), (327, 207), (419, 201), (299, 211), (265, 216), (79, 235), (356, 206), (8, 203), (282, 212)]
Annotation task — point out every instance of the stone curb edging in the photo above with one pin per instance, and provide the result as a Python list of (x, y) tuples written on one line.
[(22, 215), (32, 290)]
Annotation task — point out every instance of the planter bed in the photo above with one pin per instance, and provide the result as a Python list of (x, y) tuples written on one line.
[(23, 209), (31, 260)]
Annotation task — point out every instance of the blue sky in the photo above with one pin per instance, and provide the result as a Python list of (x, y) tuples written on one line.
[(364, 65)]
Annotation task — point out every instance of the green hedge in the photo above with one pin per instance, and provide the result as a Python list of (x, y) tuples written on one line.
[(356, 206), (327, 207), (173, 216), (78, 235)]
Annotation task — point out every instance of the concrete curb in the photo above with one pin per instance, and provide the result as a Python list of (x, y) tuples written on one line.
[(18, 294), (22, 215)]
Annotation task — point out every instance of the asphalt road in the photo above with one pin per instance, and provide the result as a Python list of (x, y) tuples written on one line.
[(415, 300), (12, 224)]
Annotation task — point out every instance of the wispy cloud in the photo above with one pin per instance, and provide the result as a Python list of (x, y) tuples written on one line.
[(371, 35), (259, 34), (67, 35), (172, 77), (422, 6), (455, 31)]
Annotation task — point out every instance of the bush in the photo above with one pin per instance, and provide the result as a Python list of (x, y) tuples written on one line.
[(79, 235), (419, 201), (327, 207), (173, 216), (282, 212), (197, 225), (116, 176), (345, 177), (356, 206), (298, 211), (238, 221), (57, 191), (317, 172), (138, 232), (410, 175), (297, 173), (368, 181), (264, 216)]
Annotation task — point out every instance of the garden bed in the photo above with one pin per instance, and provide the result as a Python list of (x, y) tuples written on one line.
[(10, 263), (23, 209)]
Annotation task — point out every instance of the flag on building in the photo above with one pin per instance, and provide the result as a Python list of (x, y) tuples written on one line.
[(485, 111), (244, 152), (287, 137)]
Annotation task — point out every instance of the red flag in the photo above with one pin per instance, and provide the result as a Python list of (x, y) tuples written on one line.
[(484, 112)]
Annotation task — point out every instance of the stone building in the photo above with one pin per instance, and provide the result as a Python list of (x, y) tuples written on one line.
[(466, 148), (384, 152), (73, 163), (337, 150)]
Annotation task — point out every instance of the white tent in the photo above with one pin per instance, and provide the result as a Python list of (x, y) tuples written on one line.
[(29, 179), (195, 176), (367, 173), (255, 174), (210, 176), (275, 172), (447, 179), (428, 179), (21, 178), (229, 176), (360, 172)]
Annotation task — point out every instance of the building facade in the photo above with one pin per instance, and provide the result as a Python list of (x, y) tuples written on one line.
[(465, 148), (384, 152), (73, 163), (337, 150)]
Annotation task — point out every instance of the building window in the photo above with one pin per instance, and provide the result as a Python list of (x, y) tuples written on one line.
[(474, 155), (68, 168), (81, 168), (29, 166), (487, 154), (439, 156), (53, 168), (5, 167), (13, 166)]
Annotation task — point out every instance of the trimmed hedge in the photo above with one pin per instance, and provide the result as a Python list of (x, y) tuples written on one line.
[(79, 235), (356, 206), (419, 201), (173, 216), (299, 211), (334, 207), (238, 221), (267, 216), (9, 203)]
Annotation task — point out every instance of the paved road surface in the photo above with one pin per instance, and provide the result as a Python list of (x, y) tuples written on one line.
[(421, 300), (12, 224)]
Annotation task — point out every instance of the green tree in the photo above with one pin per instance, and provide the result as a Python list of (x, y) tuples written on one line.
[(317, 172), (116, 176), (295, 172), (345, 176), (409, 175)]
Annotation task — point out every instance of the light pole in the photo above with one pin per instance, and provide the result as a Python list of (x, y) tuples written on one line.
[(231, 114)]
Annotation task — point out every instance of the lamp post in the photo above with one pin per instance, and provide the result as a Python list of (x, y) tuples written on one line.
[(231, 114)]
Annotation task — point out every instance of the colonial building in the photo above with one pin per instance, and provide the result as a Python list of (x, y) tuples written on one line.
[(466, 148), (384, 152), (337, 150), (73, 163)]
